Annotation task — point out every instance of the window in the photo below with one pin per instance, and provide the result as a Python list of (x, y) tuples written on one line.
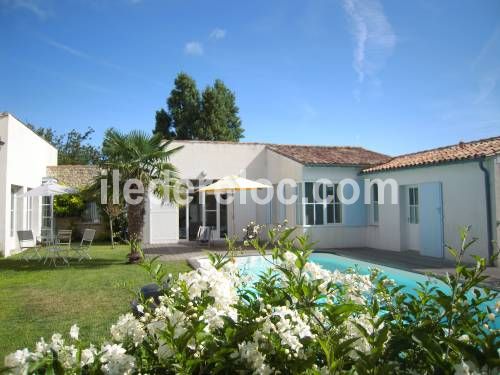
[(29, 212), (13, 191), (91, 213), (46, 231), (413, 205), (375, 207), (321, 206)]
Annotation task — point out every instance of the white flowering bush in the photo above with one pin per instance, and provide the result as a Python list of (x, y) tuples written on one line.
[(296, 318)]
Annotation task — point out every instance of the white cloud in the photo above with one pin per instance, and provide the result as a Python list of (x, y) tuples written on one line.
[(217, 34), (66, 48), (33, 6), (193, 48), (373, 34), (98, 61), (487, 68)]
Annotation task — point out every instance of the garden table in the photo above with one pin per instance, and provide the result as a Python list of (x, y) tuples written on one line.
[(54, 252)]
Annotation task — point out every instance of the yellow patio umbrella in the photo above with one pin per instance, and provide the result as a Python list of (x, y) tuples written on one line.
[(232, 184)]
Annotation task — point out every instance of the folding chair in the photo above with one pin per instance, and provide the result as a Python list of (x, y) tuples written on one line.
[(27, 242), (205, 235), (83, 249), (63, 238)]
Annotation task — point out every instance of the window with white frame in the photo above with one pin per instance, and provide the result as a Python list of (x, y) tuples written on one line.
[(375, 208), (46, 230), (29, 212), (413, 205), (321, 204), (13, 191)]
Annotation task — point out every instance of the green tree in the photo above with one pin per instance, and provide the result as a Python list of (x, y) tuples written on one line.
[(144, 157), (210, 116), (73, 147), (164, 124), (184, 107), (219, 120)]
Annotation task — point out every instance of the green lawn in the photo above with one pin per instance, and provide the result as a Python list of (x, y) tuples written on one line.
[(37, 300)]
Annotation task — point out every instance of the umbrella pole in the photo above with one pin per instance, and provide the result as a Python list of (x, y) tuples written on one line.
[(234, 207), (51, 218)]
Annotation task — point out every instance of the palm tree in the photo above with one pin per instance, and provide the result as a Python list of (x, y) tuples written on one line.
[(138, 155)]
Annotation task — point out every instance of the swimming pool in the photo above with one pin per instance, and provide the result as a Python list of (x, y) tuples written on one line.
[(254, 265)]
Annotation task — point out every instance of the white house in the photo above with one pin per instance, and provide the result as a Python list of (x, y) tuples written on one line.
[(24, 158), (437, 192)]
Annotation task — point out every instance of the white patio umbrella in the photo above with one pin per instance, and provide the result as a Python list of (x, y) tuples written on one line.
[(232, 184), (50, 188)]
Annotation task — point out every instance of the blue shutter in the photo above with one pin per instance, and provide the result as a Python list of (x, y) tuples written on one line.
[(431, 219), (354, 214)]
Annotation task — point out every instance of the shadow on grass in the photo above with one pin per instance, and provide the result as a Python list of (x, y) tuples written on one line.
[(19, 264)]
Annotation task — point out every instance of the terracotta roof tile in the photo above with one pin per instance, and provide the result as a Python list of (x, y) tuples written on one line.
[(330, 155), (461, 151), (77, 176)]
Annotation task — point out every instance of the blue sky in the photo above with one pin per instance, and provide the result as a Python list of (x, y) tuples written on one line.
[(393, 76)]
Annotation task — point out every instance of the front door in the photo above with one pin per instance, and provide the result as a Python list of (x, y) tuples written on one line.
[(412, 218)]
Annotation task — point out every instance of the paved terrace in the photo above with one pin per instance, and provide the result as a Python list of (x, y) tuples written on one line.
[(406, 260)]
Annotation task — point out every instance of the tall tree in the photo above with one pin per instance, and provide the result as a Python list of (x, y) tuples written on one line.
[(164, 125), (184, 107), (210, 116), (219, 118), (73, 147), (144, 157)]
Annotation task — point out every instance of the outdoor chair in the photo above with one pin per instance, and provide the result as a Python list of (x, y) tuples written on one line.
[(27, 241), (83, 249), (205, 235), (63, 238)]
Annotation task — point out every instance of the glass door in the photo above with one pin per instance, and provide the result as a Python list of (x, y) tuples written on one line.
[(215, 215)]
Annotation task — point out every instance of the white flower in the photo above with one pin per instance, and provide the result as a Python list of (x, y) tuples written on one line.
[(128, 327), (88, 356), (42, 347), (140, 308), (468, 368), (67, 356), (115, 360), (57, 342), (74, 331), (464, 338), (249, 352), (17, 362), (491, 316)]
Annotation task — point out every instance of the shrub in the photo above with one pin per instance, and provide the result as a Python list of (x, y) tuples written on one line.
[(295, 318), (68, 205)]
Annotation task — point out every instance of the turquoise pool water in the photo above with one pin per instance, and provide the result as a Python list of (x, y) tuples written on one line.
[(254, 265)]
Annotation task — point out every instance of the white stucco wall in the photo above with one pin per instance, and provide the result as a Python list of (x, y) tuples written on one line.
[(219, 159), (464, 203), (462, 190), (210, 161), (24, 159)]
